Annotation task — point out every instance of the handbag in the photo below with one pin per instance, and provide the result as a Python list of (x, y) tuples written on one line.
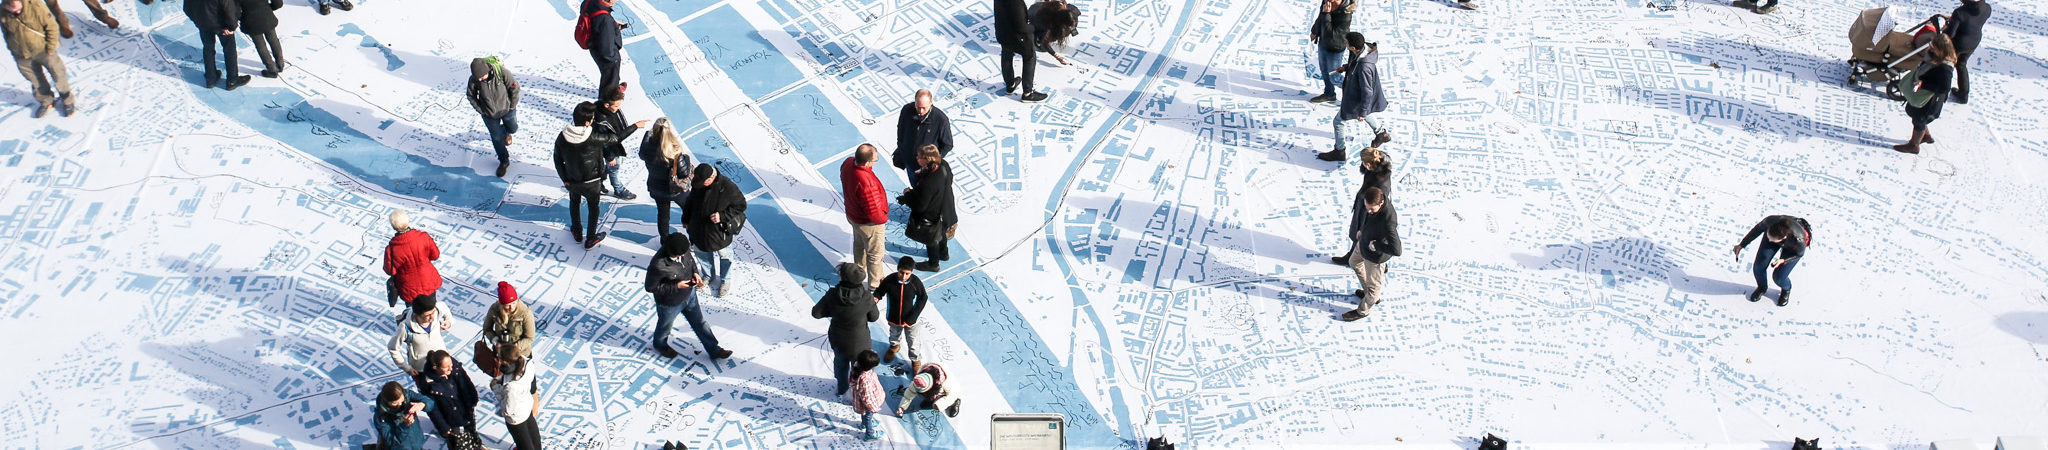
[(485, 359), (1909, 85), (922, 230)]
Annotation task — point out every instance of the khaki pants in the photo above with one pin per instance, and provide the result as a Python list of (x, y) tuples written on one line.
[(1370, 276), (868, 252), (44, 71)]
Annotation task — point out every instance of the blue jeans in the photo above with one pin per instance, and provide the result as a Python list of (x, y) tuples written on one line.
[(842, 365), (868, 426), (499, 129), (1340, 124), (665, 316), (1764, 254), (1329, 61), (611, 171), (716, 265)]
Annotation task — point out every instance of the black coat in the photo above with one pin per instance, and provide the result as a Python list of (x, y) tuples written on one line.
[(454, 397), (1794, 245), (259, 16), (1966, 25), (932, 198), (906, 298), (605, 39), (579, 155), (1013, 26), (664, 179), (1379, 238), (213, 15), (615, 123), (722, 197), (851, 308), (1330, 27), (662, 276), (913, 134), (1382, 177)]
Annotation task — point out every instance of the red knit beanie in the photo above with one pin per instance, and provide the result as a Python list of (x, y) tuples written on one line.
[(506, 294)]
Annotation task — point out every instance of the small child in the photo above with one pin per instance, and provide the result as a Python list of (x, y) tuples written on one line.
[(867, 393), (906, 297), (928, 389)]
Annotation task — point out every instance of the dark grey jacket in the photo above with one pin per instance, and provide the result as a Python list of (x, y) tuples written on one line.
[(497, 96), (1362, 94), (1013, 26), (851, 308), (663, 274), (213, 15), (1378, 236), (913, 133)]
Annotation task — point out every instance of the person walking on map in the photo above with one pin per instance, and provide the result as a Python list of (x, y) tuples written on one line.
[(1785, 238), (64, 21), (919, 124), (518, 393), (717, 211), (1965, 29), (605, 40), (494, 92), (1378, 240), (933, 217), (851, 307), (668, 169), (906, 297), (1378, 174), (611, 120), (1362, 96), (1332, 24), (867, 393), (1926, 90), (579, 162), (672, 278), (867, 210), (1013, 32), (409, 260), (31, 37), (216, 20), (420, 332), (455, 397)]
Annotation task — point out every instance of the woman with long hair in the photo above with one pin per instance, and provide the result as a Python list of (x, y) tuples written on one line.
[(668, 163), (518, 398), (1928, 92), (397, 417), (1053, 21)]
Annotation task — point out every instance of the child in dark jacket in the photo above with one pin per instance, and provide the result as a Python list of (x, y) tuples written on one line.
[(905, 294)]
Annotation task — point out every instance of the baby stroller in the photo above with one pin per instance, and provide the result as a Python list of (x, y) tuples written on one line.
[(1879, 53)]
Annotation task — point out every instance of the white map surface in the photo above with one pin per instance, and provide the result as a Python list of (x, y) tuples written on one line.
[(1146, 253)]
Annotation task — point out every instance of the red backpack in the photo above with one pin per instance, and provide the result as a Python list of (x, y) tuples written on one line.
[(583, 28)]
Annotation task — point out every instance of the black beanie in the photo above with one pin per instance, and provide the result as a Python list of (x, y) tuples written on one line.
[(703, 172), (675, 244), (478, 68), (422, 304)]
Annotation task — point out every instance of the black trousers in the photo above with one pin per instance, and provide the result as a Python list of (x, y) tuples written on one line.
[(1961, 92), (607, 76), (1030, 65), (526, 436), (267, 50), (937, 250), (662, 205), (582, 202), (209, 39)]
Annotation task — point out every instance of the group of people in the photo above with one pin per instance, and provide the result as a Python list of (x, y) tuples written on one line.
[(1943, 74)]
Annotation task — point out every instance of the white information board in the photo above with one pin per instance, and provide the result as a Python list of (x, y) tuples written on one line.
[(1027, 432)]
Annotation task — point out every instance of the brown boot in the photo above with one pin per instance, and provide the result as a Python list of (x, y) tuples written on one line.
[(501, 169), (1381, 138), (891, 355), (1910, 149), (104, 17), (1927, 137)]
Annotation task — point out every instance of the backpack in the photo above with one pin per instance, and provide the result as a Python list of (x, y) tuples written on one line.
[(583, 26), (1808, 242)]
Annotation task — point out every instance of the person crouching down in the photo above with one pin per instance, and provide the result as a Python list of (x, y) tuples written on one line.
[(928, 390)]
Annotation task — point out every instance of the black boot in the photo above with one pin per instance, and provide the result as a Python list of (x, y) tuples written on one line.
[(1335, 154), (1784, 296), (1757, 294)]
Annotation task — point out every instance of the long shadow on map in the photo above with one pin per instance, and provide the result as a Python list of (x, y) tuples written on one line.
[(302, 402), (2031, 326), (1826, 71), (1757, 118), (1622, 261)]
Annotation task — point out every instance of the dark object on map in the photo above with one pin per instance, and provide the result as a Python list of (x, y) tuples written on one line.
[(1158, 443), (923, 230), (1805, 444), (583, 27), (459, 439), (486, 360), (1491, 442), (666, 445), (372, 447), (345, 5)]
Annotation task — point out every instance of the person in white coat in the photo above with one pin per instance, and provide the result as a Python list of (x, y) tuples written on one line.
[(419, 332)]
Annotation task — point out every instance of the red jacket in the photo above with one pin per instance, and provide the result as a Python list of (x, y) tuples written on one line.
[(410, 259), (866, 201)]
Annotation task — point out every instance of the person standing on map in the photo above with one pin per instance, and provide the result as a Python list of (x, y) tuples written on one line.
[(1378, 174), (672, 278), (851, 307), (32, 38), (509, 323), (259, 21), (867, 210), (717, 210), (1362, 96), (1052, 22), (906, 297), (397, 418), (668, 165), (1785, 238), (920, 124), (933, 218), (518, 393), (494, 92), (216, 20), (324, 5), (1929, 90), (1377, 241), (579, 161), (419, 334), (1013, 32), (867, 393), (1332, 23), (605, 41), (454, 395), (409, 260), (611, 120), (1965, 29)]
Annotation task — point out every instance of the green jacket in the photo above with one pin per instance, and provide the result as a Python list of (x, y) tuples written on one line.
[(515, 329), (31, 33)]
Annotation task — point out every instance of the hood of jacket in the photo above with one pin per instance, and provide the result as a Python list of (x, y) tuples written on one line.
[(576, 134), (853, 285), (410, 238)]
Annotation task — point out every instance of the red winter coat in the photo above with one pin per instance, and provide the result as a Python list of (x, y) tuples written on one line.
[(866, 201), (410, 259)]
